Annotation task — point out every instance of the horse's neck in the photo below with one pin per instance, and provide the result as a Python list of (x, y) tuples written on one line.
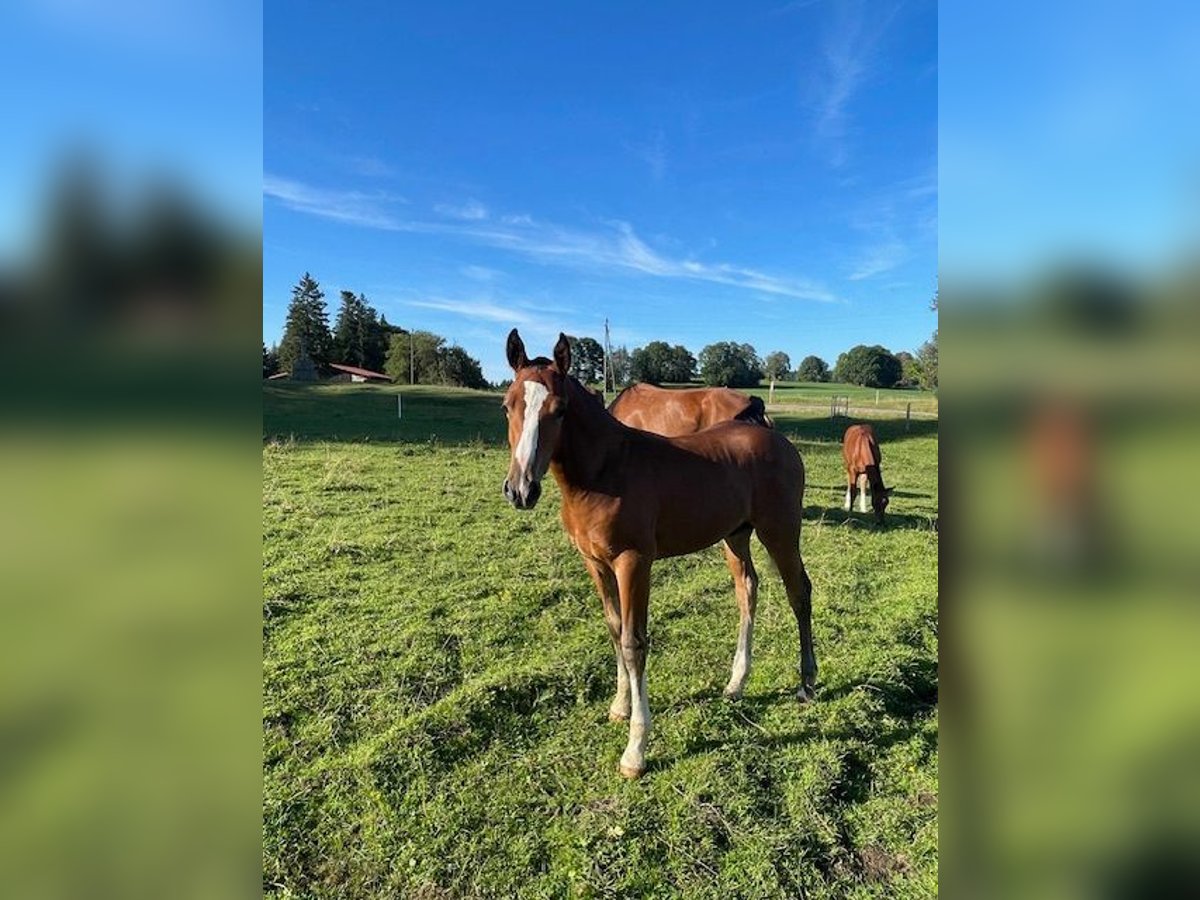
[(874, 476), (589, 442)]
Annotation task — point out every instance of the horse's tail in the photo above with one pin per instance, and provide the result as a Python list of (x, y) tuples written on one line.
[(756, 411)]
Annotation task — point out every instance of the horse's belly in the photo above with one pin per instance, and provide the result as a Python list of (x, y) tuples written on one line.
[(691, 531)]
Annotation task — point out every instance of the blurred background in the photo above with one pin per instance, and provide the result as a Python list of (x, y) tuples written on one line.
[(1069, 274), (130, 292)]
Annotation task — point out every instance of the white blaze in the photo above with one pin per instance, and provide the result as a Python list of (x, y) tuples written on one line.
[(535, 395)]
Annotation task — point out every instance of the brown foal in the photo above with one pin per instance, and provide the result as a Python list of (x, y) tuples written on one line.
[(860, 453), (629, 498), (676, 412)]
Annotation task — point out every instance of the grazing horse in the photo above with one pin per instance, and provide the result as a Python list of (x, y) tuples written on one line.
[(860, 452), (674, 413), (630, 497)]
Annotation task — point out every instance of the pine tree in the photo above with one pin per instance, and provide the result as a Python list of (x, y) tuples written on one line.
[(350, 331), (307, 325)]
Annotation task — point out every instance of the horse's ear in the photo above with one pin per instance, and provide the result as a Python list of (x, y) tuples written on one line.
[(516, 351), (562, 354)]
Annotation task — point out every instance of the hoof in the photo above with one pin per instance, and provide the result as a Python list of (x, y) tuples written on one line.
[(806, 694), (732, 693), (615, 715), (631, 772)]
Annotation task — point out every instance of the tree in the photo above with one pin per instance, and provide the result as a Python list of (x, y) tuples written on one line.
[(619, 361), (379, 341), (350, 331), (910, 370), (307, 325), (416, 353), (873, 366), (270, 361), (659, 362), (927, 357), (460, 369), (813, 368), (730, 365), (681, 367), (650, 363), (587, 360), (777, 366)]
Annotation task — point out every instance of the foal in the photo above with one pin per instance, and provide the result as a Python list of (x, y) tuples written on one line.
[(860, 453), (673, 413), (629, 498)]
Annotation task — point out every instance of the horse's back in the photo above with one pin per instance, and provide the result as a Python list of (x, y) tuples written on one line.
[(677, 412), (746, 474), (860, 448)]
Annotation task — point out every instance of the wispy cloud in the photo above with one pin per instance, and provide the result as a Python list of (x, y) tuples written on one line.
[(475, 309), (847, 53), (350, 207), (471, 211), (895, 221), (479, 273), (880, 258), (615, 248)]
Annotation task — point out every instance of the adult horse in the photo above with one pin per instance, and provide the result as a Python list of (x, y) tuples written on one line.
[(672, 413), (860, 453), (630, 497)]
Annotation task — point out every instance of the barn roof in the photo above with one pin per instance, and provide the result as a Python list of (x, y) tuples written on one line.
[(361, 373)]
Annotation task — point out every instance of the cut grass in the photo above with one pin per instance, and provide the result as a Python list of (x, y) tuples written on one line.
[(437, 676)]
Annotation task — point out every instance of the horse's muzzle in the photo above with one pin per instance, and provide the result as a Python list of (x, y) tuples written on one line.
[(530, 498)]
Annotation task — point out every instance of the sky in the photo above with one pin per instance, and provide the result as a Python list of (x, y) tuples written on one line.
[(693, 172)]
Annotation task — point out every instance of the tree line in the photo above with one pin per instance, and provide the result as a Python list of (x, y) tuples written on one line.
[(361, 337), (730, 364), (364, 338)]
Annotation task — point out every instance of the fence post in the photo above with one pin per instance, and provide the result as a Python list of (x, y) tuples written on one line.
[(907, 415)]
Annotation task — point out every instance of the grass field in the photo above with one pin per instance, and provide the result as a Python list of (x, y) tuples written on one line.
[(436, 679)]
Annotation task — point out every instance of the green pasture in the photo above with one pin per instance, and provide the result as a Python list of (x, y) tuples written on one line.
[(437, 673)]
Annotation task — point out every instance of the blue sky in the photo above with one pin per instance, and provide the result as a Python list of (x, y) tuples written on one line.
[(695, 172)]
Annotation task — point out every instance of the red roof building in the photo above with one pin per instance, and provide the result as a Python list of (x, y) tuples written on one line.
[(357, 374)]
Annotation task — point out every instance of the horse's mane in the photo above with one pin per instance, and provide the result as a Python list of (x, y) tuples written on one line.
[(593, 397)]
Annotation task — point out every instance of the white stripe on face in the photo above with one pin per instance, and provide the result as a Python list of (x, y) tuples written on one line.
[(535, 395)]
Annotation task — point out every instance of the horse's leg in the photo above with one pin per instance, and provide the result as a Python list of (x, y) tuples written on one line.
[(745, 582), (633, 580), (862, 493), (606, 587), (784, 547), (850, 491)]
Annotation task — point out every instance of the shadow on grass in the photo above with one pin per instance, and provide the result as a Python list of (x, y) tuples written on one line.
[(836, 516), (382, 413), (421, 414), (907, 699), (826, 430)]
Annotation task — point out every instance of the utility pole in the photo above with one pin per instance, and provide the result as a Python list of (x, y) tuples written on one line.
[(609, 372), (411, 368)]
